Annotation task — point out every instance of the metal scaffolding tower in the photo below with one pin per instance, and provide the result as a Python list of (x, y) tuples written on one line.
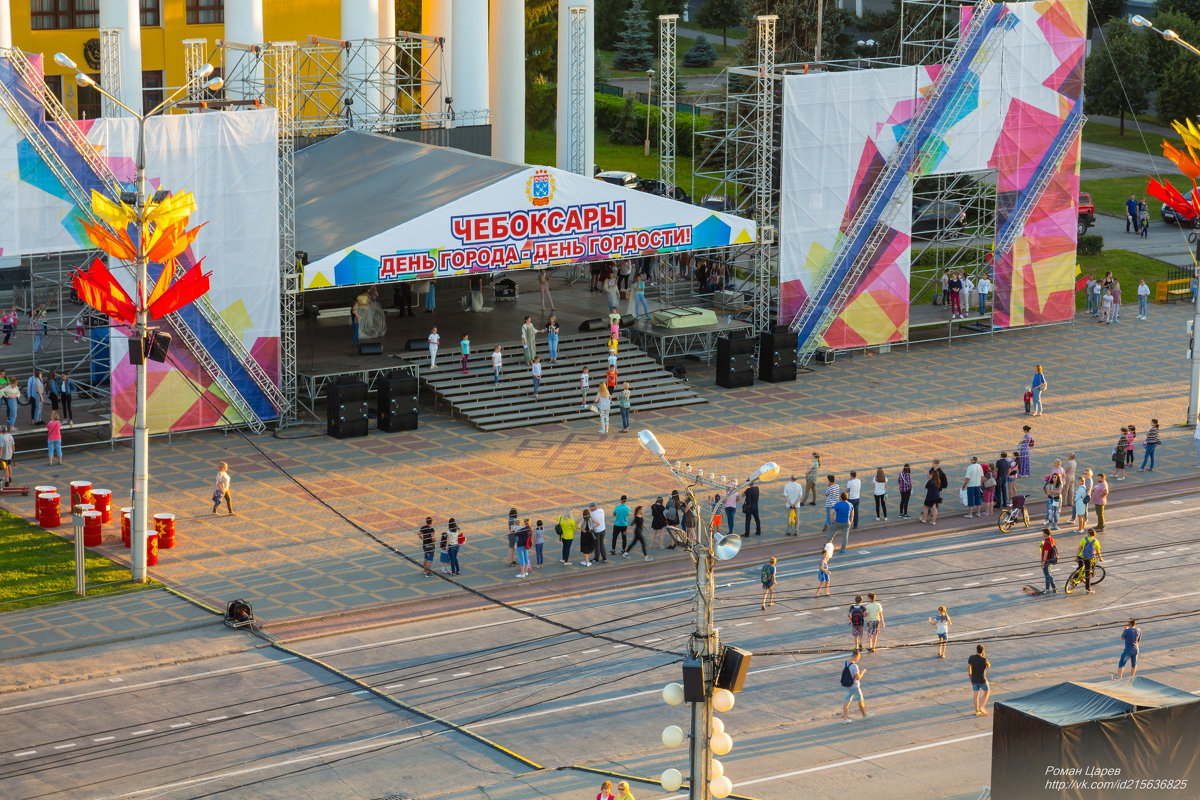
[(281, 93), (577, 91), (765, 212), (929, 30), (194, 52), (110, 71), (666, 132)]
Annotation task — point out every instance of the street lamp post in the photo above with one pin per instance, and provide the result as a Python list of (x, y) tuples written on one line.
[(1194, 389), (649, 90), (141, 435), (709, 548)]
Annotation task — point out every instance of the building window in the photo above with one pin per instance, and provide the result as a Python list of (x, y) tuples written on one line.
[(205, 12), (55, 84), (151, 16), (152, 89), (89, 100), (51, 15)]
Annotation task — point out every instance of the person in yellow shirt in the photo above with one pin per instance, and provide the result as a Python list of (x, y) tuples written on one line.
[(623, 792), (1087, 556)]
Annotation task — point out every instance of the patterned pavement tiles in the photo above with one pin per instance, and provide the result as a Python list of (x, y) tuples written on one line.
[(288, 553)]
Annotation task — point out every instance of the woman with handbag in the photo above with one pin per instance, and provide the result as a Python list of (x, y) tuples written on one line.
[(1118, 454), (989, 490), (457, 539), (1053, 491)]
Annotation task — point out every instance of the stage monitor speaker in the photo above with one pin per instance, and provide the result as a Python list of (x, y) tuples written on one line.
[(416, 345), (370, 348), (693, 681), (594, 324), (732, 672), (397, 403)]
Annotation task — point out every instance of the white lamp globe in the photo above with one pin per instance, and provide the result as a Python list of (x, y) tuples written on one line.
[(721, 787), (717, 769), (671, 779), (672, 736), (673, 694), (717, 725), (722, 700), (721, 743)]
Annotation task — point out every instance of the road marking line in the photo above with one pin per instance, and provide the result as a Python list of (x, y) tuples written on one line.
[(619, 646), (360, 691), (64, 746), (461, 674), (740, 625), (393, 686), (326, 697), (24, 753), (1159, 553), (772, 619), (490, 669), (215, 719), (914, 594), (142, 732), (803, 613), (946, 589), (552, 658), (104, 739), (427, 680), (1025, 574), (255, 711), (181, 724), (655, 639), (974, 583), (996, 580), (593, 650)]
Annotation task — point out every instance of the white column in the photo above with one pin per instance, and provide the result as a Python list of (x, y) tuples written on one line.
[(469, 32), (507, 79), (124, 14), (5, 24), (244, 24), (437, 18), (387, 55), (360, 20), (563, 126)]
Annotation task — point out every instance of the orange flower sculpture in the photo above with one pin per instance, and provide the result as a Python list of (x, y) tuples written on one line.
[(1189, 164), (165, 237)]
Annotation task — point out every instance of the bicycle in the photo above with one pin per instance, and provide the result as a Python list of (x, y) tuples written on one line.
[(1011, 516), (1077, 578)]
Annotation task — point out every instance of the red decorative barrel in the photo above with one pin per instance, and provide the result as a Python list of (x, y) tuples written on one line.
[(126, 527), (93, 533), (49, 517), (151, 549), (81, 492), (38, 491), (164, 526), (102, 499)]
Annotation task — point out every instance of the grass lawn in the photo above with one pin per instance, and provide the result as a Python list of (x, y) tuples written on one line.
[(1099, 133), (35, 562), (1127, 268), (1085, 164), (1110, 194), (539, 149)]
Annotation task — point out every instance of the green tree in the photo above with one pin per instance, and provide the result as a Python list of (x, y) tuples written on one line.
[(541, 41), (1116, 74), (700, 54), (1100, 12), (1189, 8), (609, 14), (723, 14), (634, 49), (796, 31), (629, 127), (1177, 98)]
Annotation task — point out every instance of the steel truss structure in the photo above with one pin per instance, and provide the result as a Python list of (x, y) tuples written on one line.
[(949, 248), (577, 91), (929, 30), (667, 24), (110, 71), (766, 212)]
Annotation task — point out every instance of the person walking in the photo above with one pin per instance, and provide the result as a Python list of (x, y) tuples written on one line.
[(823, 570), (731, 503), (529, 339), (434, 339), (457, 539), (1118, 453), (852, 676), (596, 515), (1100, 500), (624, 400), (854, 494), (603, 406), (768, 575), (1087, 555), (843, 518), (606, 791), (973, 483), (1024, 467), (221, 492), (583, 386), (54, 438), (858, 620), (639, 536), (977, 667), (535, 371), (833, 493), (623, 792), (933, 498), (1149, 445), (1132, 637), (1079, 503), (1053, 489), (879, 493), (904, 485), (1039, 384), (621, 514), (1143, 296), (426, 534), (793, 493), (942, 625), (36, 394), (810, 480), (465, 344), (9, 321), (874, 620), (750, 510), (1049, 558), (565, 528), (552, 330), (1131, 214)]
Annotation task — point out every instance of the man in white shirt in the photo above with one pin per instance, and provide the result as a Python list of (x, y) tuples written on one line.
[(1143, 296), (597, 517), (984, 288), (973, 483), (853, 494), (968, 287), (433, 346), (793, 492)]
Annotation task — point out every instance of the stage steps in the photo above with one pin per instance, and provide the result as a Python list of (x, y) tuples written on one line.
[(510, 404)]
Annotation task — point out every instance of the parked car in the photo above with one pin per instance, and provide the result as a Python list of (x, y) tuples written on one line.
[(660, 189), (617, 177), (1087, 213), (1173, 217), (717, 202), (938, 218)]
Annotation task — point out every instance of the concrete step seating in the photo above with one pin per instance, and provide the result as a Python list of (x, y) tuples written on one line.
[(510, 403)]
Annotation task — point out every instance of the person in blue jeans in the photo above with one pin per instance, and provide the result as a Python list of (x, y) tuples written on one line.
[(552, 337), (1132, 636), (640, 298), (623, 402), (1038, 385), (843, 516), (1151, 443)]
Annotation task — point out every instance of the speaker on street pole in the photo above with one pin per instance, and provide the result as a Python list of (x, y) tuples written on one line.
[(346, 409), (397, 403), (735, 362), (693, 681), (732, 672)]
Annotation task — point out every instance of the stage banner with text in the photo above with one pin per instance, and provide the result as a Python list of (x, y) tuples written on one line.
[(541, 217)]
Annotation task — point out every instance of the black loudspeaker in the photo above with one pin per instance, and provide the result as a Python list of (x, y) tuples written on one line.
[(346, 409), (397, 403), (154, 347), (693, 681), (735, 362), (416, 345), (777, 357), (732, 672), (370, 348), (594, 324)]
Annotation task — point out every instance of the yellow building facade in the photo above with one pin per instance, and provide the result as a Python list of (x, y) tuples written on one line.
[(72, 27)]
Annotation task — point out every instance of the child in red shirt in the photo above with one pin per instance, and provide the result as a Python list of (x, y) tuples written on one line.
[(1028, 399)]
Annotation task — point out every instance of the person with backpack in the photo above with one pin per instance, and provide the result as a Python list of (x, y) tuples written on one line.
[(858, 618), (852, 677), (1049, 559), (768, 575), (1087, 556)]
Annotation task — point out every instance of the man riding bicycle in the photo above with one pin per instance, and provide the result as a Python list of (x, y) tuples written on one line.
[(1087, 556)]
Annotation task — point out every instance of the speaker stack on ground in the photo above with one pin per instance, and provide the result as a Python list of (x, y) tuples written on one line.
[(735, 362), (777, 356), (346, 409), (397, 402)]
